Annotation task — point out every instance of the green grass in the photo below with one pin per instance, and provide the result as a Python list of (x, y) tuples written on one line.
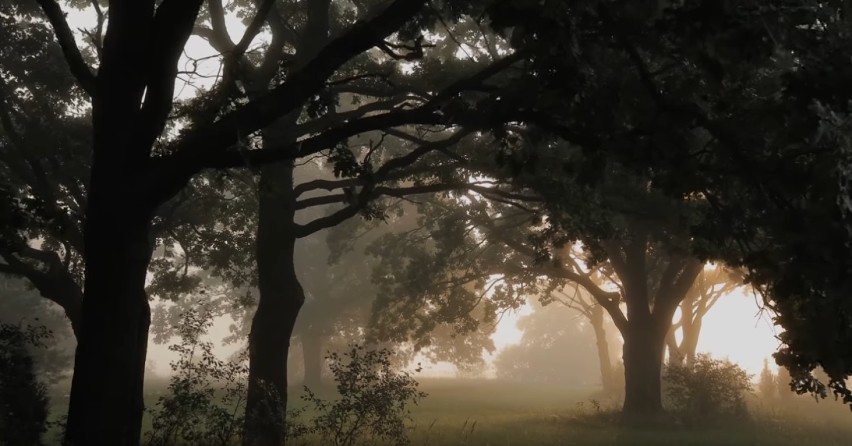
[(488, 413), (491, 413)]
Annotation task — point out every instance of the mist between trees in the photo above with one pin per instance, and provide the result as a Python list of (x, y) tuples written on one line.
[(400, 174)]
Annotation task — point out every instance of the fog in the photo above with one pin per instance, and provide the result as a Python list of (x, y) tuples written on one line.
[(371, 222), (540, 385)]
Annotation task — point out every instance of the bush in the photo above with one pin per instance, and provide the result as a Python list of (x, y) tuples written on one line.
[(206, 400), (373, 403), (23, 399), (707, 391), (192, 413)]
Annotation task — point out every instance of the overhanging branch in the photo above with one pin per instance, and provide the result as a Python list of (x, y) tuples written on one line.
[(81, 71), (301, 85)]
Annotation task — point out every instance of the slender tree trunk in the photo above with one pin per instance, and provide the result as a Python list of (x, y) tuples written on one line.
[(106, 392), (281, 297), (597, 321), (690, 341), (643, 359), (281, 294), (675, 354), (312, 355)]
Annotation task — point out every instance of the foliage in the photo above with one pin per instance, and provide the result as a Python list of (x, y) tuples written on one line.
[(708, 390), (206, 395), (23, 400), (373, 403), (557, 348), (743, 104), (20, 304)]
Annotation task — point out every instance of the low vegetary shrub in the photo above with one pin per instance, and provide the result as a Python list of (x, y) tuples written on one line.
[(707, 391), (206, 398), (373, 403), (205, 404), (23, 399)]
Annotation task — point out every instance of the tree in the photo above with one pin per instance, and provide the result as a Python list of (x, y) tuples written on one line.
[(581, 301), (705, 113), (639, 233), (43, 171), (134, 170), (557, 349)]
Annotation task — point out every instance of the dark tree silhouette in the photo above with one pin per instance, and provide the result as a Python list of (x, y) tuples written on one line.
[(136, 168)]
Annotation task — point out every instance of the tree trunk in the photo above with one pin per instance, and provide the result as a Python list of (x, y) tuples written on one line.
[(597, 321), (106, 393), (690, 341), (675, 355), (281, 297), (312, 354), (643, 359)]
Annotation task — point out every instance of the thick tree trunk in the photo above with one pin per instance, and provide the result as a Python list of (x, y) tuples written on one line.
[(281, 297), (106, 393), (312, 355), (597, 321), (643, 359)]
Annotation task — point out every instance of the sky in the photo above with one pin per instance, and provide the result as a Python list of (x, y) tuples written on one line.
[(736, 328)]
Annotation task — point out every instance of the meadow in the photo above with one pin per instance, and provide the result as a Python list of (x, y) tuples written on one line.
[(493, 413), (499, 414)]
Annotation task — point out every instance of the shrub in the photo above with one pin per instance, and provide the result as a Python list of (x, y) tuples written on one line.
[(192, 413), (206, 400), (373, 403), (707, 391), (23, 399)]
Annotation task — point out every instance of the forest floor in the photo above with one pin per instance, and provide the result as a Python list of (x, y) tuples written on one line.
[(492, 413)]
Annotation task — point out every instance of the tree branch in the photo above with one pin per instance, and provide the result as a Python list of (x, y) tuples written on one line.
[(81, 71), (173, 24), (690, 270), (252, 30), (56, 285), (369, 191), (300, 86), (362, 201), (218, 36)]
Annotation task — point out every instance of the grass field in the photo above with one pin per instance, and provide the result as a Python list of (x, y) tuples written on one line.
[(489, 413), (521, 415)]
